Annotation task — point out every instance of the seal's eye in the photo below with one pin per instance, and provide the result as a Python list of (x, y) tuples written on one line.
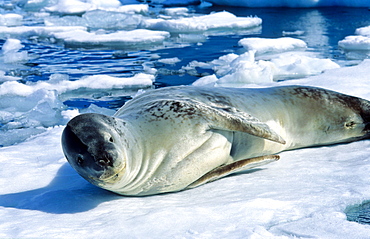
[(350, 124), (111, 139), (80, 160)]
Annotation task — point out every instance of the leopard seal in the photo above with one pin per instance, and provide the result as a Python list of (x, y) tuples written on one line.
[(175, 138)]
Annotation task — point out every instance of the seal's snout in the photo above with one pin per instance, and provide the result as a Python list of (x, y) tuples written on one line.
[(76, 151), (365, 115)]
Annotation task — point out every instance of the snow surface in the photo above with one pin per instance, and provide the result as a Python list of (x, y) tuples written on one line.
[(304, 195)]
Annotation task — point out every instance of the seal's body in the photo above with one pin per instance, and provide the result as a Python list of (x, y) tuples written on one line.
[(175, 138)]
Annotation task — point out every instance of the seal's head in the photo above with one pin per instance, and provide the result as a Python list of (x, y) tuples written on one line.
[(93, 145), (332, 117)]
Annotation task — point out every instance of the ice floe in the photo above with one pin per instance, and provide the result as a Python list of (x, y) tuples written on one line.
[(357, 46), (11, 19), (79, 7), (305, 194), (265, 45), (119, 39), (234, 70), (28, 109), (10, 52), (212, 22), (62, 84), (37, 31)]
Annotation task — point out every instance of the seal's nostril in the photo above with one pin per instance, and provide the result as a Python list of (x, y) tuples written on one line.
[(103, 163), (80, 160)]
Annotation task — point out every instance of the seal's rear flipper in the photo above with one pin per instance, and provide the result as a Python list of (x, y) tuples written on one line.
[(234, 167)]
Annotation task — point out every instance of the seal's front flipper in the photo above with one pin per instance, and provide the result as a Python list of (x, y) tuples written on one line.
[(234, 167), (232, 119), (227, 117)]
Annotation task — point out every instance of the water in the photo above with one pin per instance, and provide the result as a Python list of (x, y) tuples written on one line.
[(359, 213), (322, 27)]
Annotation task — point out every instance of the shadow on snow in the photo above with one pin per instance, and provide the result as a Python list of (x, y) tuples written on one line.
[(67, 193)]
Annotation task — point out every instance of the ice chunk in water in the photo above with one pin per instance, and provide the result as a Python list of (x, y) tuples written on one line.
[(111, 20), (11, 45), (11, 53), (79, 7), (4, 77), (11, 19), (357, 47), (276, 45), (21, 117), (69, 7), (215, 21), (355, 43), (119, 39), (236, 71)]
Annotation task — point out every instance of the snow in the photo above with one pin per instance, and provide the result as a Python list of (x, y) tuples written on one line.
[(107, 20), (304, 195), (292, 3)]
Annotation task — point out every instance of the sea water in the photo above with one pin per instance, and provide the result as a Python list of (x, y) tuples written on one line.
[(320, 28)]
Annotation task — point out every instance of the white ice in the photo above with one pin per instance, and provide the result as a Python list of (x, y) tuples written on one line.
[(37, 31), (292, 3), (118, 39), (304, 194), (261, 63), (11, 19), (215, 21), (11, 52), (28, 109), (357, 46), (266, 45)]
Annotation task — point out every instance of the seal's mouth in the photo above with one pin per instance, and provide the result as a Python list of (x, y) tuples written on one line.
[(110, 175)]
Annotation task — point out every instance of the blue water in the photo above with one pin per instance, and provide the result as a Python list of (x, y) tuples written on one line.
[(323, 28), (359, 213)]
